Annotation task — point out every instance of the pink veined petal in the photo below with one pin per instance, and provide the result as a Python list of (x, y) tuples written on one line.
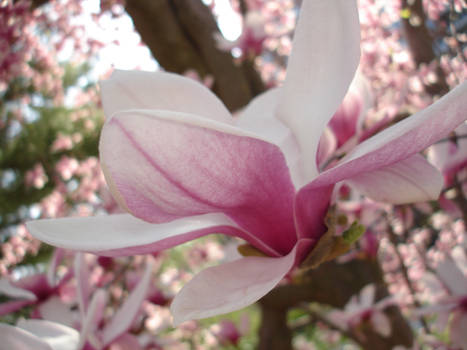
[(90, 323), (311, 206), (229, 287), (126, 314), (160, 90), (163, 166), (259, 117), (381, 323), (325, 56), (19, 339), (12, 306), (83, 290), (6, 288), (401, 140), (407, 181), (452, 276), (58, 336), (123, 234)]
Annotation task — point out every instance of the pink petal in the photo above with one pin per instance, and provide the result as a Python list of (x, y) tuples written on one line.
[(407, 181), (8, 289), (94, 315), (327, 146), (126, 342), (163, 166), (18, 339), (381, 323), (447, 156), (12, 306), (117, 235), (367, 296), (83, 290), (126, 314), (348, 119), (55, 310), (324, 58), (231, 286), (403, 139), (52, 268), (259, 117), (160, 90), (58, 336), (311, 206)]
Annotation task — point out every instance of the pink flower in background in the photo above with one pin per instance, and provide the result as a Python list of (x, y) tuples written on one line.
[(182, 167), (347, 122), (42, 290), (36, 177), (450, 156), (451, 310), (96, 331), (252, 37), (363, 309)]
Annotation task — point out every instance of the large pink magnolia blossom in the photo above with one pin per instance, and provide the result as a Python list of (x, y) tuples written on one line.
[(182, 167)]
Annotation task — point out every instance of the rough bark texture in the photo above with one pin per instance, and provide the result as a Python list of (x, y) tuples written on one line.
[(180, 35), (421, 44), (333, 284)]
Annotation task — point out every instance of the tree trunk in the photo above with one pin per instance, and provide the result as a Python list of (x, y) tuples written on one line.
[(180, 35), (421, 43)]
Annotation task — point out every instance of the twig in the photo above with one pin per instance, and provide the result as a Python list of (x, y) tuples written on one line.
[(405, 275)]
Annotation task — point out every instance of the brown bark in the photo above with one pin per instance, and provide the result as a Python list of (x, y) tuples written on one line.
[(180, 35), (421, 43), (274, 334), (333, 284)]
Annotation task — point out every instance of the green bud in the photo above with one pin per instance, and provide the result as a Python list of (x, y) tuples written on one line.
[(353, 233)]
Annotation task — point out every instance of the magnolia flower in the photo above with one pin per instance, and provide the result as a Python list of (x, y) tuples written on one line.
[(114, 330), (41, 290), (363, 309), (182, 167), (450, 156), (451, 310)]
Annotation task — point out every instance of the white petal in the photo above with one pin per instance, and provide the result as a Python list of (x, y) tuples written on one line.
[(325, 56), (94, 315), (160, 90), (381, 323), (126, 314), (407, 181), (53, 309), (367, 295), (58, 336), (6, 288), (14, 338), (123, 234), (229, 287)]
